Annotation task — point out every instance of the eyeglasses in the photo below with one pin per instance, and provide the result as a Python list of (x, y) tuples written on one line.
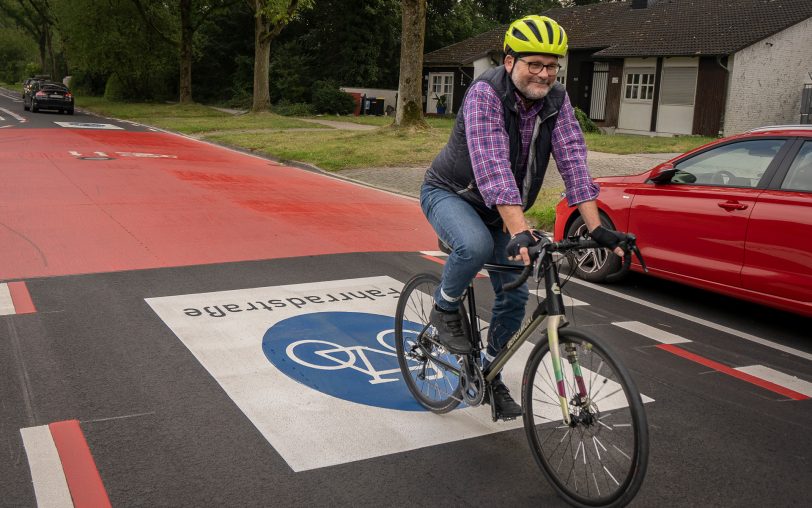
[(536, 67)]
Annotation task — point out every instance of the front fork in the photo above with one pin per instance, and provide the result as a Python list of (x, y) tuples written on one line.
[(572, 358)]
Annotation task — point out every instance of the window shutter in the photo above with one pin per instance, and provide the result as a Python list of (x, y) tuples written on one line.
[(678, 86)]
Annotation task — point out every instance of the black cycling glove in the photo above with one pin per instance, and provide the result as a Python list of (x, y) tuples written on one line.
[(519, 240), (607, 237)]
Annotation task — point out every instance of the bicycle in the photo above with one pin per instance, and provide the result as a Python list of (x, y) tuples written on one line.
[(583, 417)]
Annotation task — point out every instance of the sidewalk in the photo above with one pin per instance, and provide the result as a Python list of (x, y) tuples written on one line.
[(407, 180)]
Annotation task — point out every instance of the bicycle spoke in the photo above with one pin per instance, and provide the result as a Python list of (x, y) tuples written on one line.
[(592, 460)]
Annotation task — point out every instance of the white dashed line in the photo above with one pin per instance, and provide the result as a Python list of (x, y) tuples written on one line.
[(651, 332)]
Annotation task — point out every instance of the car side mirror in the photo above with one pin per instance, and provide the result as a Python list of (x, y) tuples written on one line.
[(662, 173)]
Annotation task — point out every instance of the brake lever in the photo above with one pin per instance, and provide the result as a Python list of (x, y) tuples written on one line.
[(636, 251), (537, 264)]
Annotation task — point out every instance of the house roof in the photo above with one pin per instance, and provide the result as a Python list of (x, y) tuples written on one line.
[(664, 28)]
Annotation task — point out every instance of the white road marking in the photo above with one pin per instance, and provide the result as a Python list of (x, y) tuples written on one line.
[(14, 115), (651, 332), (697, 320), (6, 304), (85, 125), (308, 428), (568, 300), (781, 379), (47, 475)]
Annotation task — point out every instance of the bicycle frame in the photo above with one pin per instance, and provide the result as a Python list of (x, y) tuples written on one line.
[(551, 307)]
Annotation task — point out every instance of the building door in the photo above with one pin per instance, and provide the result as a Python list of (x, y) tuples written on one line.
[(441, 87), (600, 81), (584, 87), (637, 97)]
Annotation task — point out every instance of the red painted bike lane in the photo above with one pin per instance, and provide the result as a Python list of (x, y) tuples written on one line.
[(86, 201)]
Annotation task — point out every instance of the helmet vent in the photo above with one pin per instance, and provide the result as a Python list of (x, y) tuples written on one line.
[(534, 28), (560, 36), (549, 30), (519, 35)]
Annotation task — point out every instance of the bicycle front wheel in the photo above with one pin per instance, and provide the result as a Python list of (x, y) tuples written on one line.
[(600, 457), (431, 373)]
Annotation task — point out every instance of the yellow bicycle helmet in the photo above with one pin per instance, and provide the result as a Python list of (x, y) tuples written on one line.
[(536, 34)]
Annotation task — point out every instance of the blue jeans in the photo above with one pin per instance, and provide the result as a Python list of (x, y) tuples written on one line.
[(472, 245)]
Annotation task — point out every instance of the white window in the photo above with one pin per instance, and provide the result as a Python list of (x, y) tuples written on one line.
[(441, 91), (678, 86), (639, 85), (561, 77)]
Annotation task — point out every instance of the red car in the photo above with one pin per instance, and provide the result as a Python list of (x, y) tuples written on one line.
[(733, 216)]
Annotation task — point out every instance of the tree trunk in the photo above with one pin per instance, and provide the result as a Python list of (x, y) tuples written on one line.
[(185, 84), (43, 59), (262, 62), (410, 93)]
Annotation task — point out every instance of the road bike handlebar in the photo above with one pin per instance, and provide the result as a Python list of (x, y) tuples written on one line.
[(629, 246)]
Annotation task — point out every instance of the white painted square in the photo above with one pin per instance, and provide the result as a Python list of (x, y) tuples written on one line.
[(87, 125), (568, 300), (6, 303), (651, 332), (47, 475), (780, 378), (311, 429)]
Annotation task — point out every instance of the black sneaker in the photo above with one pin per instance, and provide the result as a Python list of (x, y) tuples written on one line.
[(451, 331), (504, 404)]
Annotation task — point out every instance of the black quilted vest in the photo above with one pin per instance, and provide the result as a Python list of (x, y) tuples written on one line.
[(452, 170)]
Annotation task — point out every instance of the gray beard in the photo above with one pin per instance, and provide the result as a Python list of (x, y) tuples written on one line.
[(533, 96), (528, 95)]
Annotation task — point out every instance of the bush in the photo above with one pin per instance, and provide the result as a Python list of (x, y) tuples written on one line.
[(285, 108), (587, 125), (327, 98), (114, 89)]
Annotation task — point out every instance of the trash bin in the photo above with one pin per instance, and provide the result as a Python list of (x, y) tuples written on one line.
[(374, 106)]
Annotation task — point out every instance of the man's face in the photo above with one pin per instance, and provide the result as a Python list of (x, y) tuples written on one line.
[(533, 86)]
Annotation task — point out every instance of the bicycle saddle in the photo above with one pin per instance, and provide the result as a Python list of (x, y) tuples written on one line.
[(443, 246)]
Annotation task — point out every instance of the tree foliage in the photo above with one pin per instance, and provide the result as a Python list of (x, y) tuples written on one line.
[(143, 62), (17, 51), (355, 43)]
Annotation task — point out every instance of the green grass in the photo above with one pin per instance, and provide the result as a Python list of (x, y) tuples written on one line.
[(631, 143), (383, 121), (190, 118), (15, 87), (334, 150), (542, 213)]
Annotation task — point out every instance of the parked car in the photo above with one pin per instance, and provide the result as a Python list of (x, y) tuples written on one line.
[(29, 82), (48, 95), (733, 216)]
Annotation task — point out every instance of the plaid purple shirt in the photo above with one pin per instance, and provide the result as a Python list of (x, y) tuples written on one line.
[(490, 149)]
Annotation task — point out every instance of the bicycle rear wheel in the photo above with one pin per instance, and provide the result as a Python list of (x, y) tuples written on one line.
[(600, 458), (431, 373)]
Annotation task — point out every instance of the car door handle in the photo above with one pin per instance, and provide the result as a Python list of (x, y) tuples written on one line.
[(732, 205)]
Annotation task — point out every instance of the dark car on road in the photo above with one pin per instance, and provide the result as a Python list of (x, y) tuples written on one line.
[(47, 95), (733, 216)]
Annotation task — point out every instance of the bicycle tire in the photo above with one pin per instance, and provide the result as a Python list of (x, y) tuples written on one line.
[(610, 434), (440, 392)]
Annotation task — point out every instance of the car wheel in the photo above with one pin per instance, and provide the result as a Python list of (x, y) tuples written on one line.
[(593, 265), (34, 107)]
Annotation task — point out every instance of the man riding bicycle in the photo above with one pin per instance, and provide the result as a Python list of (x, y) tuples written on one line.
[(475, 193)]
